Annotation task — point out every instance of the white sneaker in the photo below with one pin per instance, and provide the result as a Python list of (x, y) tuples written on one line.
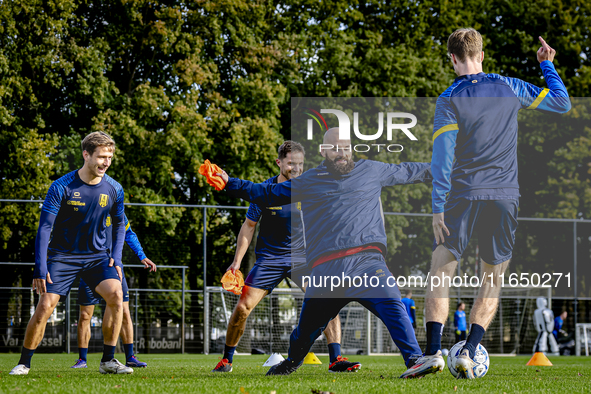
[(424, 366), (114, 366), (19, 370), (465, 365)]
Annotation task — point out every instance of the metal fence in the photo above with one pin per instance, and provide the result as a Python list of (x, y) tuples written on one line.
[(150, 334), (163, 316), (268, 328)]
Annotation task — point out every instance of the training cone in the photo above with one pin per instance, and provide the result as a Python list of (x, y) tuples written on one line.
[(539, 359), (311, 359), (275, 359)]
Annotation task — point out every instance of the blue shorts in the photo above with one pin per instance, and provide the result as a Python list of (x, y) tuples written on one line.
[(268, 276), (86, 296), (495, 222), (92, 271)]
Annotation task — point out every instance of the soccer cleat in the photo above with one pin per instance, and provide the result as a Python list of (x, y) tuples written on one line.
[(286, 367), (79, 364), (20, 369), (424, 366), (114, 366), (135, 363), (223, 366), (465, 365), (342, 364)]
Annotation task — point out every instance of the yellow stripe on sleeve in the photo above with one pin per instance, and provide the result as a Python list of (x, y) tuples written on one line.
[(539, 99), (442, 130), (127, 227)]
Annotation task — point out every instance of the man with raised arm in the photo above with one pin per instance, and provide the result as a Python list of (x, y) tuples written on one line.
[(76, 208), (476, 124)]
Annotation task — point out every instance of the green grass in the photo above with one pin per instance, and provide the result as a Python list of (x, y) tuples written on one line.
[(172, 373)]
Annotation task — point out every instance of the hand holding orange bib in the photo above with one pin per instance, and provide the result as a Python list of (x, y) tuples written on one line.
[(233, 281), (209, 170)]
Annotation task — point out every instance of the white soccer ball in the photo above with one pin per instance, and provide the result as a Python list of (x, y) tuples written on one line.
[(444, 352), (480, 358)]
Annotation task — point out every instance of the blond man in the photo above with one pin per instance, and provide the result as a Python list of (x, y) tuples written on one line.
[(475, 188)]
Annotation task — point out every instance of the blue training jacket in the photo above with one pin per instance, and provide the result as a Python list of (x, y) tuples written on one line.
[(476, 121), (340, 211)]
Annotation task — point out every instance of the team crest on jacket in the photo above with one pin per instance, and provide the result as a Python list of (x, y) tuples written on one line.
[(103, 200)]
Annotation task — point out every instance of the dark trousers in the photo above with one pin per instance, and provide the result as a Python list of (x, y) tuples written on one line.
[(317, 312)]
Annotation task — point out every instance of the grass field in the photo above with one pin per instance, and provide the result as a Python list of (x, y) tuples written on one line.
[(171, 373)]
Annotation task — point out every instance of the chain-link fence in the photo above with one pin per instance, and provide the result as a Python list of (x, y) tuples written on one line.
[(170, 319)]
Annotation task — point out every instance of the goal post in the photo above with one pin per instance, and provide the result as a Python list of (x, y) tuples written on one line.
[(270, 324), (583, 338)]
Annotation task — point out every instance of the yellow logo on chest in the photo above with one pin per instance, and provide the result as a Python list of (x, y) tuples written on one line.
[(103, 200)]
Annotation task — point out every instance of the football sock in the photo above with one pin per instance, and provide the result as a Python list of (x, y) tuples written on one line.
[(128, 350), (434, 332), (229, 353), (26, 355), (476, 334), (82, 352), (108, 353), (334, 350)]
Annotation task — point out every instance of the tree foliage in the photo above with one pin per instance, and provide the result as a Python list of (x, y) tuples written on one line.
[(177, 82)]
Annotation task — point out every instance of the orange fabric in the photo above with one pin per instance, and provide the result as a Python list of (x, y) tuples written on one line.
[(233, 282), (209, 170)]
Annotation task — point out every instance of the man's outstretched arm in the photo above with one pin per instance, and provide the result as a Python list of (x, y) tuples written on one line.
[(554, 98), (262, 194), (406, 173)]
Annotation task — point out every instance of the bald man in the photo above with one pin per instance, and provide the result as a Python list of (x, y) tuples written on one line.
[(345, 238)]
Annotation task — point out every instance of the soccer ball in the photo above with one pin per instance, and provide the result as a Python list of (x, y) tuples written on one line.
[(480, 358), (444, 352)]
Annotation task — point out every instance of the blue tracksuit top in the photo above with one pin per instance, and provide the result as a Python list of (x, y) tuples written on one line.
[(476, 122), (340, 211), (77, 212)]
